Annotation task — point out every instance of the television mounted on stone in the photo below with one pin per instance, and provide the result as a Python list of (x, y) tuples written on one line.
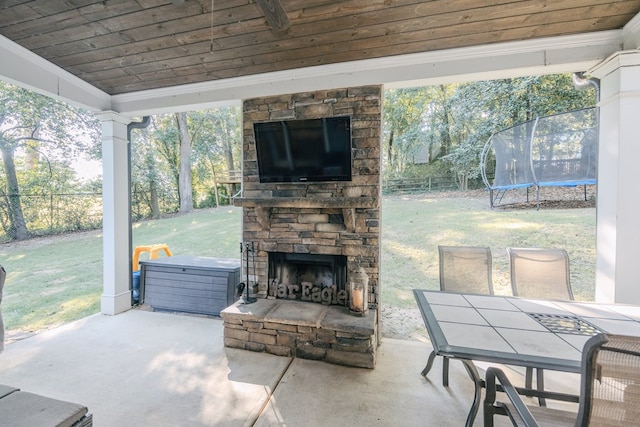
[(305, 150)]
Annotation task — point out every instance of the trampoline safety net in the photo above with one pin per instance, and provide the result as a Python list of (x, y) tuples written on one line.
[(557, 150)]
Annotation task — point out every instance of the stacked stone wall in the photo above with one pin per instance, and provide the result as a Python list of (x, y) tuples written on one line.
[(328, 218), (304, 226)]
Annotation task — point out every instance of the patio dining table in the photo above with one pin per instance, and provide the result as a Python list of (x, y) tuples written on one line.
[(542, 334)]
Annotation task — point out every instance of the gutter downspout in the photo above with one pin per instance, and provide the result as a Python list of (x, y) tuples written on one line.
[(580, 81), (146, 120)]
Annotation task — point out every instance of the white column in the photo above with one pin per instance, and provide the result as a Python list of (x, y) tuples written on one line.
[(116, 295), (618, 205)]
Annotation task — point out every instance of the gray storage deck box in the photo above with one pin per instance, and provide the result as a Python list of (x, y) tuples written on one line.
[(189, 284)]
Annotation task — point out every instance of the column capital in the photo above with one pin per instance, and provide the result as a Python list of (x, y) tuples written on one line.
[(624, 58), (114, 116)]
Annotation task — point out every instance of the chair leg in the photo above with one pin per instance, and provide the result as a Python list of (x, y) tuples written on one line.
[(445, 371)]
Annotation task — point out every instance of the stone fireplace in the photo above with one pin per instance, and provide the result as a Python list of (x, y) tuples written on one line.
[(312, 240)]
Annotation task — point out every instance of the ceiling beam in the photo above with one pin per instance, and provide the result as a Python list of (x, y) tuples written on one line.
[(275, 14)]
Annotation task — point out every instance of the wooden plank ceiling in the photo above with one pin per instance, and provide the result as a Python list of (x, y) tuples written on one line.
[(123, 46)]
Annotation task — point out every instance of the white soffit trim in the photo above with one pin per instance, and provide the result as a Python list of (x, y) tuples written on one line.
[(24, 68), (500, 60), (631, 33)]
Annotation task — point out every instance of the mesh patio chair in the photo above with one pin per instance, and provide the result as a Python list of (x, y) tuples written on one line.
[(465, 269), (609, 389), (539, 273)]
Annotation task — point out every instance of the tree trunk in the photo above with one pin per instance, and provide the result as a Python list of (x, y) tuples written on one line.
[(18, 227), (154, 204), (445, 146), (184, 177), (390, 150), (215, 185), (153, 193), (228, 155)]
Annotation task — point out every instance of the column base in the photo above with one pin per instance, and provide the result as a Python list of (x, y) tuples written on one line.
[(115, 304)]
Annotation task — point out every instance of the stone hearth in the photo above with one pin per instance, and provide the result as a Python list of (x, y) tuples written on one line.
[(339, 218), (301, 329)]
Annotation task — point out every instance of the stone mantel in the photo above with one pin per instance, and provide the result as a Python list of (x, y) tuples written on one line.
[(307, 202), (263, 206)]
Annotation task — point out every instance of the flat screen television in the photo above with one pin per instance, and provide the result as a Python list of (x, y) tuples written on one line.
[(304, 150)]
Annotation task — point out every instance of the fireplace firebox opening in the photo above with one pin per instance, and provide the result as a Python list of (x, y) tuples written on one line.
[(308, 277)]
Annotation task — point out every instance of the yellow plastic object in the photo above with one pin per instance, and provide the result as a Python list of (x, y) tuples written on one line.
[(153, 250)]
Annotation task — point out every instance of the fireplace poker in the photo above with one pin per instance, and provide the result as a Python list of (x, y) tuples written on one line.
[(248, 299)]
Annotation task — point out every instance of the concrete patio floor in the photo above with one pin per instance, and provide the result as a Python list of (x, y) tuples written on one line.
[(143, 368)]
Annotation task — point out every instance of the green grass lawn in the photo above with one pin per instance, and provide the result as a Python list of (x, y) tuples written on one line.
[(55, 280), (413, 227)]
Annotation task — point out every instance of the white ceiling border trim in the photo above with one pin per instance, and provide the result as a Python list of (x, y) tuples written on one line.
[(631, 33), (500, 60), (24, 68)]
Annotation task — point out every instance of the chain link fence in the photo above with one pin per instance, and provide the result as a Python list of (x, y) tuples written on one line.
[(45, 214), (57, 213)]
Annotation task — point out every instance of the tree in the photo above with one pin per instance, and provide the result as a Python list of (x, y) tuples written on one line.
[(164, 139), (146, 176), (30, 119), (440, 121), (181, 154), (455, 121), (217, 144), (404, 115), (17, 226), (463, 161)]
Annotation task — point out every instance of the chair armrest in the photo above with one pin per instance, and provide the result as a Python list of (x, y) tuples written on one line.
[(521, 417)]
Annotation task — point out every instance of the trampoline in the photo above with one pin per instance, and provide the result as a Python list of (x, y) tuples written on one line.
[(557, 150)]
